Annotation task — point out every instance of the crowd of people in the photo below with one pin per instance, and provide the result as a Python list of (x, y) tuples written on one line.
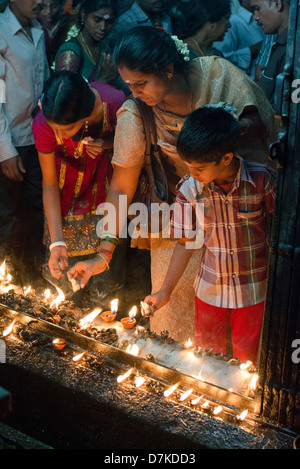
[(72, 139)]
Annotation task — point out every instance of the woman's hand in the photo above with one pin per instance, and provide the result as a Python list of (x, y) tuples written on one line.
[(83, 270), (94, 147), (154, 302), (58, 261)]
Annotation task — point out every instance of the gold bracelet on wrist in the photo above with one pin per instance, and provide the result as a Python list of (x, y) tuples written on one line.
[(102, 257)]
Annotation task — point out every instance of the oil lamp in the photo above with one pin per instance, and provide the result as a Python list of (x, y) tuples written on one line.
[(58, 343), (109, 316), (130, 321)]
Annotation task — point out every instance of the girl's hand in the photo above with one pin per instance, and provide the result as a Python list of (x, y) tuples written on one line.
[(58, 261)]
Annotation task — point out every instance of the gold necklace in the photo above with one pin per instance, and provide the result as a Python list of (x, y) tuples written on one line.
[(86, 48), (77, 150)]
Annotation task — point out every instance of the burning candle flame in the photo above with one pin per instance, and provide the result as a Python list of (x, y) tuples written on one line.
[(252, 384), (133, 349), (242, 415), (114, 305), (9, 278), (205, 405), (27, 290), (9, 329), (132, 312), (58, 299), (198, 376), (2, 269), (185, 395), (195, 401), (78, 357), (188, 344), (47, 293), (124, 376), (244, 366), (139, 381), (169, 391), (217, 410), (87, 320)]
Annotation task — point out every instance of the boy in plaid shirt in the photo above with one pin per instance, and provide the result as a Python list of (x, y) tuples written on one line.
[(235, 198)]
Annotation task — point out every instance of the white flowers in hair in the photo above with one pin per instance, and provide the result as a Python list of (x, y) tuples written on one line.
[(73, 32), (182, 48)]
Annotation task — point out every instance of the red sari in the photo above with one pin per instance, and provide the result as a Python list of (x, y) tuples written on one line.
[(84, 181)]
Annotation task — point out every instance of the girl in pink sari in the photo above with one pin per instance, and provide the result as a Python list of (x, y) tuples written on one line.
[(74, 137)]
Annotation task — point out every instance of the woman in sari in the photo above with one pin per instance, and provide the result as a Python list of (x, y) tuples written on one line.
[(73, 134), (158, 71), (88, 53), (200, 25)]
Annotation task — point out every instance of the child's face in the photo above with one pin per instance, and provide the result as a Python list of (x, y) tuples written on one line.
[(208, 172)]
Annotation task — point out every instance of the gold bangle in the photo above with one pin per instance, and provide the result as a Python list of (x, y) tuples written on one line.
[(102, 257)]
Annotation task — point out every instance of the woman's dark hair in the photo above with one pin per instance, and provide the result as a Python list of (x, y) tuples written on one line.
[(207, 135), (67, 98), (216, 9), (89, 6), (148, 50), (189, 17), (187, 20)]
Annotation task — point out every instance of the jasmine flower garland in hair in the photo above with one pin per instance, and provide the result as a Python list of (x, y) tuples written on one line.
[(182, 48), (225, 105)]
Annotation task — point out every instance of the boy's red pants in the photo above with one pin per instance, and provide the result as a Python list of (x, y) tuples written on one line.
[(242, 326)]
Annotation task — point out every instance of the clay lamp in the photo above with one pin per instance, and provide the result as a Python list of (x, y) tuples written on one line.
[(109, 316), (129, 321), (58, 343)]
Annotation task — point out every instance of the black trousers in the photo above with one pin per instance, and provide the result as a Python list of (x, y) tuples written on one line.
[(22, 218)]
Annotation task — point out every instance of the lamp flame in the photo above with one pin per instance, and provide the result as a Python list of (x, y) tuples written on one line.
[(252, 384), (47, 293), (139, 381), (169, 391), (185, 395), (244, 366), (199, 376), (132, 312), (87, 320), (27, 290), (242, 415), (133, 349), (195, 401), (124, 376), (205, 405), (188, 344), (78, 357), (114, 305), (9, 329), (58, 299), (2, 269), (217, 410)]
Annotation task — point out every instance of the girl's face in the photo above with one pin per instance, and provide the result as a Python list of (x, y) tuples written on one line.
[(67, 131), (149, 88), (99, 23)]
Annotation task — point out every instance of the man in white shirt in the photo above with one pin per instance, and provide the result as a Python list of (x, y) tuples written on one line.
[(23, 72), (243, 40)]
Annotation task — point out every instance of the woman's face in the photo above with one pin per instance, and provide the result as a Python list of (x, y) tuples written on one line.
[(149, 88), (99, 23), (67, 131), (221, 27)]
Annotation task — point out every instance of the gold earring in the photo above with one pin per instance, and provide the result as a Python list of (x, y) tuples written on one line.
[(169, 75)]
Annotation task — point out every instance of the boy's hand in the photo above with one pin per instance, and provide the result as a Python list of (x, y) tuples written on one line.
[(82, 271), (154, 302)]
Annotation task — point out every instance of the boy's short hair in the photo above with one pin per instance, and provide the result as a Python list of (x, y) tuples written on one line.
[(207, 135)]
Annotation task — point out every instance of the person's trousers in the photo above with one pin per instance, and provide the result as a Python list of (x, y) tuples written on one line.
[(234, 332), (22, 217)]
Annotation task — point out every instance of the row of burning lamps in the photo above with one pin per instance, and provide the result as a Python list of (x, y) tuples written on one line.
[(133, 349)]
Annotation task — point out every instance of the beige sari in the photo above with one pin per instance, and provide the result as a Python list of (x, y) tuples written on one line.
[(219, 81)]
